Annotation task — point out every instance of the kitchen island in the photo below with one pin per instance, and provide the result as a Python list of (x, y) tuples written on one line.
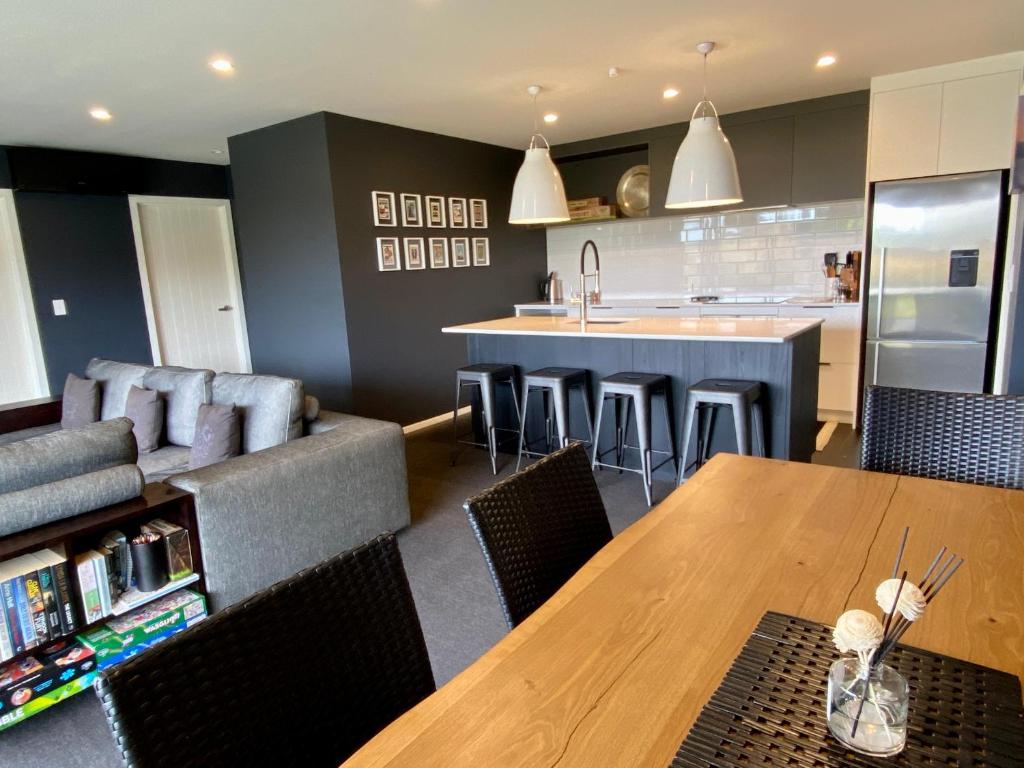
[(781, 353)]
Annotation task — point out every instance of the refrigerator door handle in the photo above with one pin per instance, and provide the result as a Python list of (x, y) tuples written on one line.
[(881, 295)]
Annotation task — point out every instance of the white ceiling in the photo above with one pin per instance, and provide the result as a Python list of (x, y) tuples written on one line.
[(458, 67)]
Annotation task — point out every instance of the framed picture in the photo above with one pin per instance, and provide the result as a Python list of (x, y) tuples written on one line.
[(460, 251), (387, 254), (412, 213), (414, 257), (384, 209), (439, 253), (457, 213), (435, 212), (481, 252), (478, 213)]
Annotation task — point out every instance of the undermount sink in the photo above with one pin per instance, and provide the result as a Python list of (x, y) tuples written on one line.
[(602, 321)]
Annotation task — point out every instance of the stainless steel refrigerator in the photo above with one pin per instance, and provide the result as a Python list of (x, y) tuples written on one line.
[(935, 250)]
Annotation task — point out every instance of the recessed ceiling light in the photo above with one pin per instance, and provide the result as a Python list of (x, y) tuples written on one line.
[(669, 93), (550, 117), (100, 113), (224, 66), (826, 60)]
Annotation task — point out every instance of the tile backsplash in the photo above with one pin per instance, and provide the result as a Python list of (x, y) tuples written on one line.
[(776, 251)]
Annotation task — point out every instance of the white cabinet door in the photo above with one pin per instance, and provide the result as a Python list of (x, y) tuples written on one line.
[(978, 123), (905, 133), (837, 389), (840, 334), (739, 311)]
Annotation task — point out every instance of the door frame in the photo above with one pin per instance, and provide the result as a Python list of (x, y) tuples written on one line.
[(23, 289), (234, 277)]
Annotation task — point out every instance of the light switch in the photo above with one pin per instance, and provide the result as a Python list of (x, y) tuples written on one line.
[(60, 307)]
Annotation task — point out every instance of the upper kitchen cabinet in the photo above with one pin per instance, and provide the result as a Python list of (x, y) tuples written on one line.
[(978, 121), (955, 118), (829, 154), (764, 159), (905, 132)]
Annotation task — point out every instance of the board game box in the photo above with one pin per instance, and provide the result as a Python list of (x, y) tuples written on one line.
[(109, 660), (182, 608), (52, 667), (34, 706)]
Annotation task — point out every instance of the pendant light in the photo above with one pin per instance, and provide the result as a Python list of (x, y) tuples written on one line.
[(538, 195), (704, 172)]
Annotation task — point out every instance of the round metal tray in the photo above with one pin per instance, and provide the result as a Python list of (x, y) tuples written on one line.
[(634, 191)]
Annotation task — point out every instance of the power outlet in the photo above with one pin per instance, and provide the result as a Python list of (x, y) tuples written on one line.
[(60, 307)]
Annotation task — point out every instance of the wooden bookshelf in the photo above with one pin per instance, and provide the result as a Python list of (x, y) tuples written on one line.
[(81, 532)]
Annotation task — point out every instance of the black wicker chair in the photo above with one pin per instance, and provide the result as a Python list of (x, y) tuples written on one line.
[(300, 674), (968, 438), (537, 527)]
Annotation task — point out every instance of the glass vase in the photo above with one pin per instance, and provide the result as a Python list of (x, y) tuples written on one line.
[(867, 707)]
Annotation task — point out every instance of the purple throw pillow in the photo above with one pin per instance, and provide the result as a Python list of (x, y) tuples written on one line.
[(218, 436), (81, 404), (146, 410)]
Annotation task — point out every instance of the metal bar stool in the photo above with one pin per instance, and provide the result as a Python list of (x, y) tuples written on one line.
[(705, 398), (554, 384), (637, 389), (484, 376)]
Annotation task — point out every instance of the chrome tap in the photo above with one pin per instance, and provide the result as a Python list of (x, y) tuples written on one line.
[(596, 274)]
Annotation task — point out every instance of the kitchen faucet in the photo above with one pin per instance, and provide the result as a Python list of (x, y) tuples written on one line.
[(596, 274)]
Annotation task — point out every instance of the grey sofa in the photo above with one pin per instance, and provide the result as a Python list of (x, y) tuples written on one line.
[(309, 484)]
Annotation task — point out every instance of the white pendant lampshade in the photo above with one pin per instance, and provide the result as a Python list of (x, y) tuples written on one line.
[(538, 194), (704, 172)]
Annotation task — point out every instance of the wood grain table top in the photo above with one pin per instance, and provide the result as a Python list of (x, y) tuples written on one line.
[(614, 669)]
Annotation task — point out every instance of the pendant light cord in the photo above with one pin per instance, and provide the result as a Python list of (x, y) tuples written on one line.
[(704, 89), (535, 113)]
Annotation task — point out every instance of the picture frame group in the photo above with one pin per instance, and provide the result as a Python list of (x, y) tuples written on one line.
[(419, 253), (430, 211)]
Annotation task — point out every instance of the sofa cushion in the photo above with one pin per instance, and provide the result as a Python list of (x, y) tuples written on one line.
[(218, 436), (116, 379), (184, 390), (81, 403), (146, 410), (270, 407), (66, 453), (164, 462)]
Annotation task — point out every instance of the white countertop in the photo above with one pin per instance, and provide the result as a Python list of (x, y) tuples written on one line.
[(664, 303), (756, 329)]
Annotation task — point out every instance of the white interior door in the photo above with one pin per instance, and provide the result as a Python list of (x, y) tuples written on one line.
[(193, 296), (22, 371)]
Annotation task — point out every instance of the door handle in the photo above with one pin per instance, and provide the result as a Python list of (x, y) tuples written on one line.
[(820, 363), (881, 292), (225, 308)]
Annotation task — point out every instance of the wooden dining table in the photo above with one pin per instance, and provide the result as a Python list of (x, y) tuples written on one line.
[(614, 669)]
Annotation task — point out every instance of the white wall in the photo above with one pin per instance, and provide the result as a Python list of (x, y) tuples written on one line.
[(761, 252)]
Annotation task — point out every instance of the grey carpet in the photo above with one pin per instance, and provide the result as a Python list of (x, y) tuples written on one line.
[(454, 596)]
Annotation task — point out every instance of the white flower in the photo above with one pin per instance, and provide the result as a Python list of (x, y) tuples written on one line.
[(912, 600), (857, 631)]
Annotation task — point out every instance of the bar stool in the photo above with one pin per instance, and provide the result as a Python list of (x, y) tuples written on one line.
[(637, 389), (711, 394), (554, 384), (485, 376)]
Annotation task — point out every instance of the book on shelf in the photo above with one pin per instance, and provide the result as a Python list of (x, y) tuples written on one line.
[(89, 585), (594, 213), (35, 594), (584, 202)]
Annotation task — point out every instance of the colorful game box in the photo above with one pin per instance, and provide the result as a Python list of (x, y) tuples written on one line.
[(53, 667), (178, 609), (135, 650), (34, 706)]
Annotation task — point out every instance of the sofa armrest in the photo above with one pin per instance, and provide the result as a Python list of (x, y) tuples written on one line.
[(265, 515), (328, 420)]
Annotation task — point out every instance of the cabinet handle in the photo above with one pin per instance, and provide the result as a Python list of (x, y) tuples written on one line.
[(820, 363)]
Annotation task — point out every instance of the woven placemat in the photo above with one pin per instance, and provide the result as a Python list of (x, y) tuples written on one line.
[(770, 707)]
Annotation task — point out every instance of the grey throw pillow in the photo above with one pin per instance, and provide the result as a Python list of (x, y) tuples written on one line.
[(146, 410), (81, 403), (218, 436)]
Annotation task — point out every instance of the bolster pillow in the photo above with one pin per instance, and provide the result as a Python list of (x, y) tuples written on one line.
[(66, 498)]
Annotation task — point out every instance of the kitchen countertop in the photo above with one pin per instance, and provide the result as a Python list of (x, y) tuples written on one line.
[(678, 303), (746, 329)]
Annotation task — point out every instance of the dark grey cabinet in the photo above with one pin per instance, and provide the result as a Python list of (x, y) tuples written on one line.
[(830, 154), (764, 159)]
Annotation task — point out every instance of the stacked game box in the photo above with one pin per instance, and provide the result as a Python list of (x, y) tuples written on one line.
[(125, 636), (37, 682)]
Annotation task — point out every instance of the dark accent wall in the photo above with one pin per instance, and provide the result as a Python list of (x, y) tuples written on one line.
[(366, 341), (790, 154), (80, 248), (288, 253), (402, 365)]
